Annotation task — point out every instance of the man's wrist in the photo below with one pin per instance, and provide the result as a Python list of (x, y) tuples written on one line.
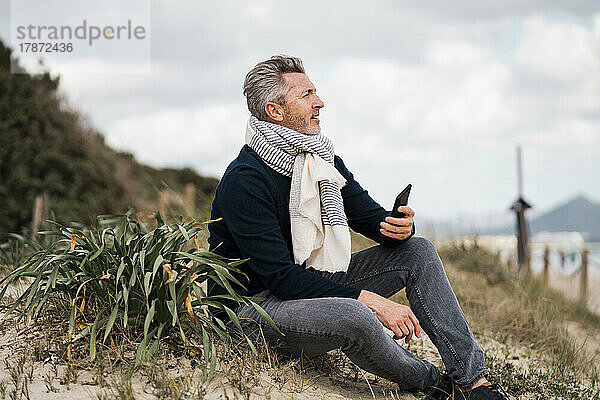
[(367, 298), (362, 297)]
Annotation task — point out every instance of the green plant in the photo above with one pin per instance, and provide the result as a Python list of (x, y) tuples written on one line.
[(124, 278), (14, 251), (526, 353)]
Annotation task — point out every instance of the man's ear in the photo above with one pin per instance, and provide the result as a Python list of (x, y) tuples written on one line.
[(274, 111)]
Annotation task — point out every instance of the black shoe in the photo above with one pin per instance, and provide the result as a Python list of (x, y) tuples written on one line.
[(444, 390), (490, 392)]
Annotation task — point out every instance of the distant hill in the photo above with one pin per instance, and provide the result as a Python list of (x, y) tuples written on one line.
[(576, 215), (45, 146)]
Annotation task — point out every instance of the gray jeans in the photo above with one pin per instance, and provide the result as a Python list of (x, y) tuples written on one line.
[(315, 326)]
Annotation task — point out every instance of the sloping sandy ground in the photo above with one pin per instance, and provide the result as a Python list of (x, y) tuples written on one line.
[(32, 362), (32, 367)]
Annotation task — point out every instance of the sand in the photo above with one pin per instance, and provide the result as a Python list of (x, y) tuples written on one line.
[(48, 376), (570, 285)]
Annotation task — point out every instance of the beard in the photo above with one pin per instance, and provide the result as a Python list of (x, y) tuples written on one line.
[(300, 124)]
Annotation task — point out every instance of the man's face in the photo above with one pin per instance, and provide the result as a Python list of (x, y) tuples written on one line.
[(301, 109)]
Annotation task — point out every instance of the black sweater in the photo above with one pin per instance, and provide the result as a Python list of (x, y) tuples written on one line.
[(253, 201)]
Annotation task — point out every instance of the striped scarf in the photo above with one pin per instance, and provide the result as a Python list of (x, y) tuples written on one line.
[(320, 234)]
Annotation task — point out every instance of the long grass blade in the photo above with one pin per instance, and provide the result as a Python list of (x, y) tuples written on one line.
[(120, 271), (213, 360), (266, 316), (112, 319), (149, 317), (93, 334)]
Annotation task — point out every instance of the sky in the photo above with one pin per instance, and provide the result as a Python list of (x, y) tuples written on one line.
[(437, 94)]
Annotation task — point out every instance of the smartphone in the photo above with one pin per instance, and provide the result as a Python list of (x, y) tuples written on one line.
[(401, 200)]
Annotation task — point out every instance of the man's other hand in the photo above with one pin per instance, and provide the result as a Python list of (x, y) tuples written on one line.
[(396, 317), (398, 228)]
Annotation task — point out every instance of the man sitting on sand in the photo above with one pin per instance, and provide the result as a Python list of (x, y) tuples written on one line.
[(287, 203)]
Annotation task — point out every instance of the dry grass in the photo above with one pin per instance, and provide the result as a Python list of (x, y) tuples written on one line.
[(518, 309)]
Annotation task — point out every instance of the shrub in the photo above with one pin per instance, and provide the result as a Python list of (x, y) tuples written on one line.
[(126, 278), (476, 259)]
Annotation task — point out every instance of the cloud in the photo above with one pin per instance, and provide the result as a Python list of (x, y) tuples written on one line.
[(203, 136), (458, 95), (478, 11), (433, 93), (557, 68), (462, 109), (558, 52)]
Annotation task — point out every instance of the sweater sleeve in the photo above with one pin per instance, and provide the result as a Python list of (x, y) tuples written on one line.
[(364, 214), (249, 212)]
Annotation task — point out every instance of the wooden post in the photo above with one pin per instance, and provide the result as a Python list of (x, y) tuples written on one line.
[(519, 207), (190, 200), (545, 273), (37, 215), (45, 208), (528, 260), (41, 212), (584, 274)]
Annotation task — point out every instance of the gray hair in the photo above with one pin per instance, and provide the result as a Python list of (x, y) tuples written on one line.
[(264, 83)]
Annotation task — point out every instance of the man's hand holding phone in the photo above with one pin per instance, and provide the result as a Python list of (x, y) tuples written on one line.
[(398, 228), (399, 225)]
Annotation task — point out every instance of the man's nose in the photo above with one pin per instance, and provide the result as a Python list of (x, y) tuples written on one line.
[(319, 103)]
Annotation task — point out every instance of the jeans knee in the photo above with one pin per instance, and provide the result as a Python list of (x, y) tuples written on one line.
[(423, 245), (423, 253), (356, 320)]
